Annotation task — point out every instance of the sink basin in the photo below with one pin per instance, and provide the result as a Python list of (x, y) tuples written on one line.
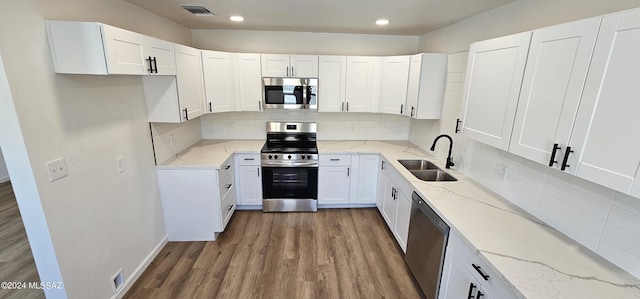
[(418, 164), (435, 175)]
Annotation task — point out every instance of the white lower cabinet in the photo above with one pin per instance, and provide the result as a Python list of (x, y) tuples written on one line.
[(249, 178), (393, 202), (334, 179), (466, 275), (197, 203)]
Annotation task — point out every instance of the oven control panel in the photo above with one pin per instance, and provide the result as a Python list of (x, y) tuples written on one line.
[(289, 160)]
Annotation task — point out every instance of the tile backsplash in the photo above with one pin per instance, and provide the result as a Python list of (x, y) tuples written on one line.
[(602, 220), (331, 126)]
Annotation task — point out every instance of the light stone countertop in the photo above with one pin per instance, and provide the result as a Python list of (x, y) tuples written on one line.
[(535, 260)]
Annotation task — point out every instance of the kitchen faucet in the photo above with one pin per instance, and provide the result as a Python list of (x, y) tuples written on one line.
[(449, 160)]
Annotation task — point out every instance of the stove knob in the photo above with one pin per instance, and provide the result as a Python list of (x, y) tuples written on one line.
[(303, 157), (289, 157), (309, 157), (270, 157), (275, 156)]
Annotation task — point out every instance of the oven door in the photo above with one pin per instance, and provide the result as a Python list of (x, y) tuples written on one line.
[(289, 182)]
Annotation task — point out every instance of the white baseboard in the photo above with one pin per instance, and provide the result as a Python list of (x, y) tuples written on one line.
[(140, 269)]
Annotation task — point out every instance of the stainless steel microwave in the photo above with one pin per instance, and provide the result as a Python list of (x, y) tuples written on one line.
[(290, 93)]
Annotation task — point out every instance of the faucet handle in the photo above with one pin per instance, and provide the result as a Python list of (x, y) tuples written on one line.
[(449, 163)]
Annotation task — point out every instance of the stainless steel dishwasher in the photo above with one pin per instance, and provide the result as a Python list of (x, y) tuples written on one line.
[(426, 244)]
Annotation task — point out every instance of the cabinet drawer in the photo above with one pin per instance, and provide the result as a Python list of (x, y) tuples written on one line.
[(228, 206), (226, 183), (493, 284), (334, 160), (248, 159), (226, 168)]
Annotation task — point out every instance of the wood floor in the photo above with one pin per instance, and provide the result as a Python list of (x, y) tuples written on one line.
[(16, 260), (335, 253)]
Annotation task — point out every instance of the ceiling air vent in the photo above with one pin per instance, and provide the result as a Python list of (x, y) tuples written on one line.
[(197, 10)]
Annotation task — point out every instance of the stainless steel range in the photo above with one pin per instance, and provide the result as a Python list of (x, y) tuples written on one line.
[(290, 168)]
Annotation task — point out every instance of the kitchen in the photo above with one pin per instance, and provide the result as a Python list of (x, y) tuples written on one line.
[(93, 119)]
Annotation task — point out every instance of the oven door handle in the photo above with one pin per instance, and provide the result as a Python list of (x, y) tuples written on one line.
[(292, 164)]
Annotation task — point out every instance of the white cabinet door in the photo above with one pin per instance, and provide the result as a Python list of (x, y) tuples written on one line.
[(124, 51), (492, 86), (274, 65), (383, 183), (360, 83), (332, 72), (333, 185), (456, 280), (556, 70), (220, 84), (250, 82), (250, 185), (389, 205), (304, 66), (605, 136), (164, 57), (190, 82), (425, 90), (366, 185), (393, 87), (403, 213)]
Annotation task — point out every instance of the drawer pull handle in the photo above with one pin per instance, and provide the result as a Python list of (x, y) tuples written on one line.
[(334, 159), (231, 207), (479, 295), (227, 167), (471, 288), (484, 276), (228, 186), (249, 159)]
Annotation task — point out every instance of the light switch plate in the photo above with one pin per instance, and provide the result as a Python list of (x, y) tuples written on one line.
[(57, 169), (120, 164)]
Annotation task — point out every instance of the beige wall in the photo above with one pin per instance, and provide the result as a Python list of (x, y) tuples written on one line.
[(517, 16), (284, 42), (99, 221)]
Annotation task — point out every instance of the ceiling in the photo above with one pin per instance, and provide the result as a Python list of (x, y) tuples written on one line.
[(407, 17)]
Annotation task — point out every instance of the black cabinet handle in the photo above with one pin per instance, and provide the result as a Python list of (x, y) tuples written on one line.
[(231, 207), (471, 288), (155, 65), (228, 186), (348, 171), (347, 106), (412, 109), (334, 159), (553, 154), (382, 167), (342, 106), (150, 69), (401, 108), (566, 158), (227, 167), (186, 114), (484, 276), (258, 171), (210, 107), (249, 159), (458, 121), (479, 295)]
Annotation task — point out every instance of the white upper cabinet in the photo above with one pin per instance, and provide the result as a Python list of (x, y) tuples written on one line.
[(332, 72), (220, 81), (605, 136), (249, 82), (98, 49), (425, 90), (556, 70), (177, 98), (304, 66), (360, 84), (393, 87), (494, 75)]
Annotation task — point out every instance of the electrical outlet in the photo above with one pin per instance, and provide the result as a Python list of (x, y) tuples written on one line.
[(57, 169), (500, 172), (117, 281), (120, 164)]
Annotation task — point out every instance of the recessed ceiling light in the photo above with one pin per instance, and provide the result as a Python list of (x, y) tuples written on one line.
[(382, 22), (236, 18)]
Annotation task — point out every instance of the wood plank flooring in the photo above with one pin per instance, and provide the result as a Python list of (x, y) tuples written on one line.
[(335, 253), (16, 259)]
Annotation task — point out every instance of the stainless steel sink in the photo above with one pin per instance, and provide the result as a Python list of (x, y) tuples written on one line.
[(417, 164), (426, 171), (433, 175)]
